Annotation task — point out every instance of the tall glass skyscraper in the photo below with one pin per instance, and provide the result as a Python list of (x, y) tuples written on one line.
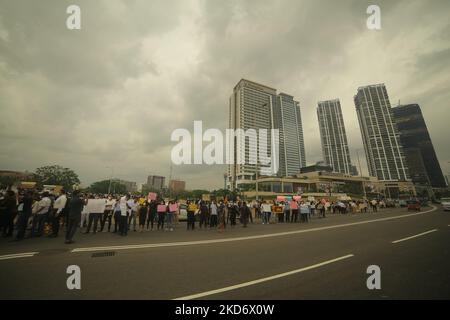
[(384, 152), (333, 136), (288, 120), (256, 106), (419, 151)]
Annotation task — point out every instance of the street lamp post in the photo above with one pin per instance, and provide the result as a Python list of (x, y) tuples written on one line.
[(360, 173), (110, 179)]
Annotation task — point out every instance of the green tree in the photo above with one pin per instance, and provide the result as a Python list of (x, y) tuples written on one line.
[(7, 181), (55, 175), (103, 187), (197, 194)]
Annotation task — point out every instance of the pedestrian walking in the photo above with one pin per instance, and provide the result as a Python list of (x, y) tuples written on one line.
[(74, 216)]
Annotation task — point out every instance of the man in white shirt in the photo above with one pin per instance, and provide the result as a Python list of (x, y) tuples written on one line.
[(40, 215), (213, 210), (123, 229), (57, 213), (107, 215), (267, 209), (132, 213)]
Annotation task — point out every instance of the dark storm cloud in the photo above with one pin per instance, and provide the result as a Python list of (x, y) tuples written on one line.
[(111, 93)]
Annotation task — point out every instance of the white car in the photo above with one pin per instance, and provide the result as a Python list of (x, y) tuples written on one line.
[(183, 213), (445, 202)]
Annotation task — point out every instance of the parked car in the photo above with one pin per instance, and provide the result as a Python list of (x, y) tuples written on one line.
[(445, 202), (413, 205)]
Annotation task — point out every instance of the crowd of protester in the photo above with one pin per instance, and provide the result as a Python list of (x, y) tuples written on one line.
[(45, 213)]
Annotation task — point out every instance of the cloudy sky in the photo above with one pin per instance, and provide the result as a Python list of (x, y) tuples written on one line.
[(110, 94)]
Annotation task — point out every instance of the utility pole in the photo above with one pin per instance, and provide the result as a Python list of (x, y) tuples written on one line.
[(170, 178), (256, 181), (110, 179), (360, 173)]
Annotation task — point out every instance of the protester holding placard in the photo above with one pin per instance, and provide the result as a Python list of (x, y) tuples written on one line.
[(161, 209), (294, 208), (191, 208), (172, 210), (304, 211), (96, 207), (204, 210), (267, 209), (151, 196), (143, 209)]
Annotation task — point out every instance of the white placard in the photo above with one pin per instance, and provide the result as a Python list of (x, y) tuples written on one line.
[(96, 205)]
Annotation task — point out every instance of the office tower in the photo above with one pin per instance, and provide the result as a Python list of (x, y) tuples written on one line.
[(334, 139), (288, 120), (382, 146), (155, 182), (256, 106), (419, 152)]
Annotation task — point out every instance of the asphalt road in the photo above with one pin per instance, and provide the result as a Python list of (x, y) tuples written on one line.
[(324, 259)]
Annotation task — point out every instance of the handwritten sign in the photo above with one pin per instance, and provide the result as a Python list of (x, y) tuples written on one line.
[(96, 205), (151, 196), (297, 198), (281, 198), (173, 207), (278, 209), (161, 208), (293, 205)]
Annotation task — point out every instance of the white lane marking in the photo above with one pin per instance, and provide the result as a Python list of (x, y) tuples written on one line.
[(250, 283), (188, 243), (415, 236), (18, 255)]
